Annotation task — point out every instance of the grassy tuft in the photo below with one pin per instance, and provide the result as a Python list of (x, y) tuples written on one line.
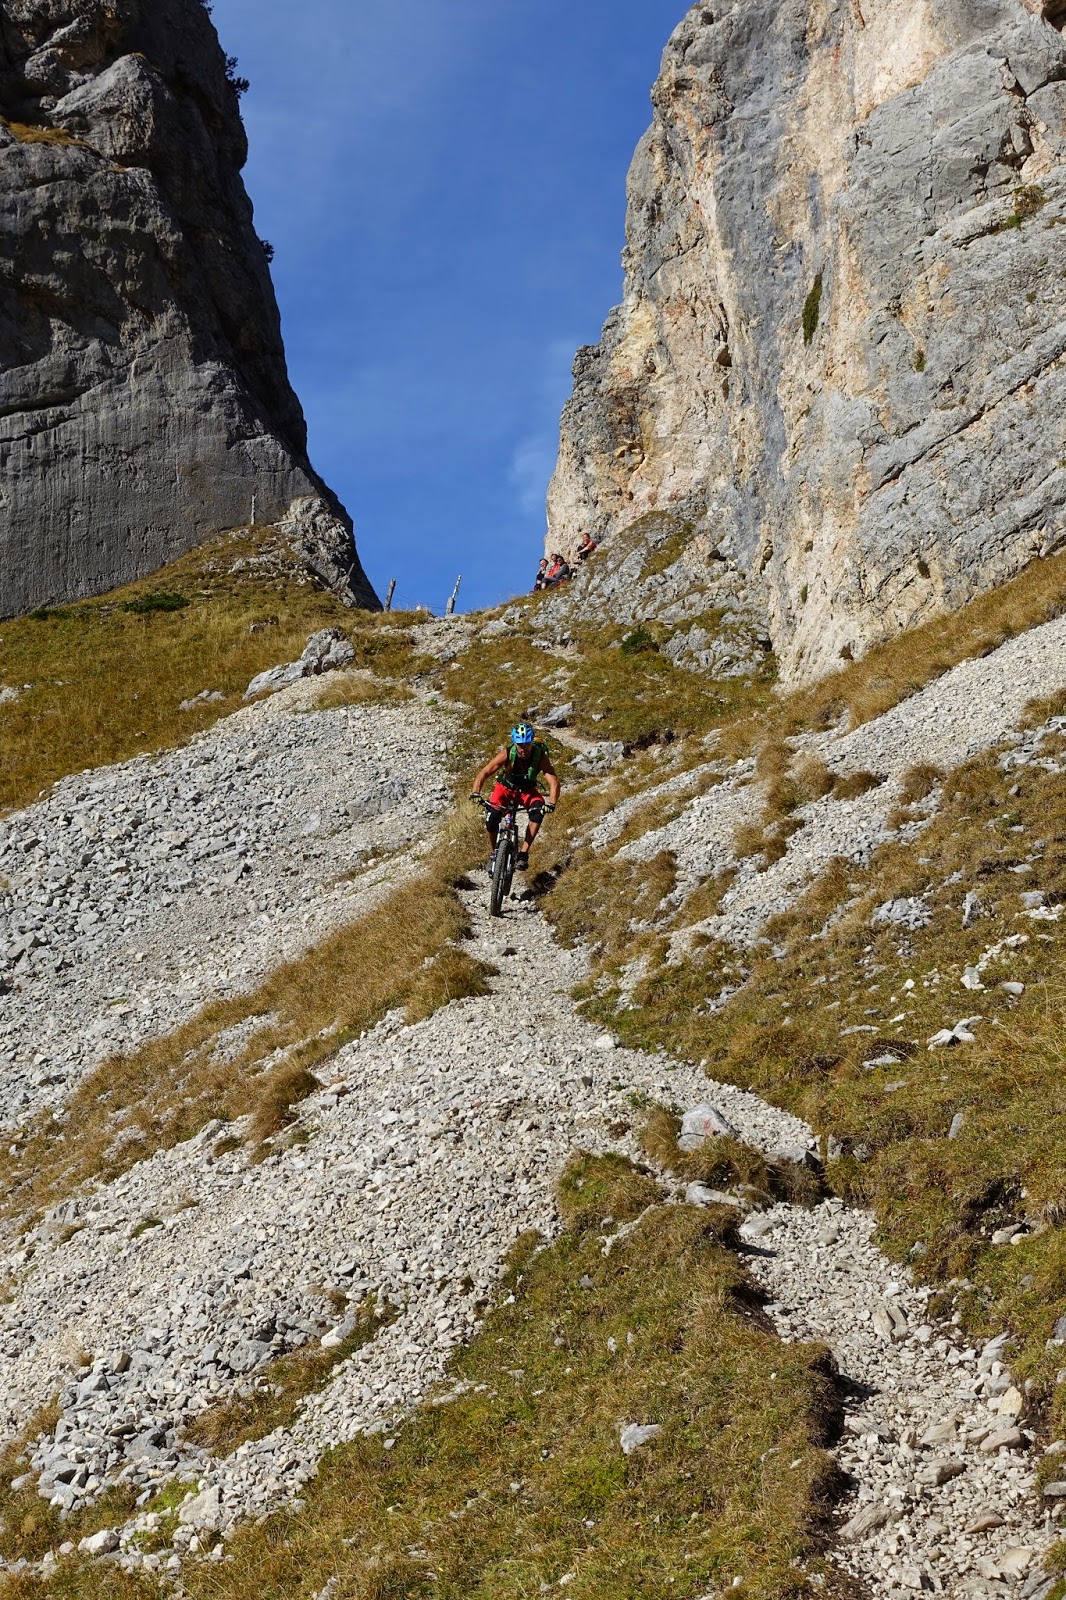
[(342, 689), (606, 903), (812, 307), (919, 782), (639, 642), (277, 1092), (1028, 200), (449, 975), (161, 600), (38, 133), (596, 1193), (726, 1163), (856, 784)]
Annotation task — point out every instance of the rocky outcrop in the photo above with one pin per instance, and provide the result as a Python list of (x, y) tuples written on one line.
[(144, 397), (843, 336)]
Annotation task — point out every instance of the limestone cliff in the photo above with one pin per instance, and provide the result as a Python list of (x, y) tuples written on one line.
[(841, 345), (144, 396)]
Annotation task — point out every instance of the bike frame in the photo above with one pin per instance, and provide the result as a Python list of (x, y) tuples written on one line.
[(506, 854)]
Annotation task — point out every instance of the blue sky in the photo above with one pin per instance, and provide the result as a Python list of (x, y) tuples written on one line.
[(444, 185)]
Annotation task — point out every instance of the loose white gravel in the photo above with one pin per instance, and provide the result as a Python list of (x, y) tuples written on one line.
[(133, 894), (431, 1149), (917, 1440)]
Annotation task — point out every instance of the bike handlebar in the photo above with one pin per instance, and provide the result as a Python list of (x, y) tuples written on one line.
[(481, 801)]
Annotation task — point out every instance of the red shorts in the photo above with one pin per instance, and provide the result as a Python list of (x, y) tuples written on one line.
[(502, 797)]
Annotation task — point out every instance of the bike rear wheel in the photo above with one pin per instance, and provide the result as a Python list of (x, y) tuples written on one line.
[(503, 871)]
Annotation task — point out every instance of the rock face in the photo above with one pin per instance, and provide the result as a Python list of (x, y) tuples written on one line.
[(144, 396), (840, 351)]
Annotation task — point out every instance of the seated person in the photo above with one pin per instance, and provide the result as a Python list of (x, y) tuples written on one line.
[(558, 572), (540, 580), (586, 547)]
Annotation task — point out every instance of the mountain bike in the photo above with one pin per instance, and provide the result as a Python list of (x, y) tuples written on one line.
[(506, 855)]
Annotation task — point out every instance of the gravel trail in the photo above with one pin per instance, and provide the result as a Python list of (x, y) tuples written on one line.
[(945, 1499)]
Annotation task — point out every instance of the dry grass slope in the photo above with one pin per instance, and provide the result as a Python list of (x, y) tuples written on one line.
[(106, 677), (784, 1034), (890, 672), (518, 1481)]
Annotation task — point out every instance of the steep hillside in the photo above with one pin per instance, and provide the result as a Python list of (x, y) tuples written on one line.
[(144, 398), (839, 358), (696, 1227), (392, 1269)]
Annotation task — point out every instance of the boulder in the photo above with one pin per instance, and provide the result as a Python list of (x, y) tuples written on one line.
[(635, 1435), (701, 1123), (203, 1513), (325, 651), (100, 1544)]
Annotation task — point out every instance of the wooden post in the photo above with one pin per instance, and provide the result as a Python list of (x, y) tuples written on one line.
[(449, 609), (388, 597)]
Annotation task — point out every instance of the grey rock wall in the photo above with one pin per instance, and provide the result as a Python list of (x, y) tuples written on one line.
[(144, 396), (844, 322)]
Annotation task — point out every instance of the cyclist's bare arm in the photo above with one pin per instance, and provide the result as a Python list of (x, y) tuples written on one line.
[(547, 771), (499, 760)]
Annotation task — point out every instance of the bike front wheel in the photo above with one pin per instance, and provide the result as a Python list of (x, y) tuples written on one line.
[(502, 872)]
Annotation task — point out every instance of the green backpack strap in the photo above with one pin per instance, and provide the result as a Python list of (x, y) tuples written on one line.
[(532, 767)]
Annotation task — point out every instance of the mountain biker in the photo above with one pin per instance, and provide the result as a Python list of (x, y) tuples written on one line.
[(516, 768)]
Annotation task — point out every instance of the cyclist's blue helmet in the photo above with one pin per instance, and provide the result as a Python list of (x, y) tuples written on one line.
[(521, 733)]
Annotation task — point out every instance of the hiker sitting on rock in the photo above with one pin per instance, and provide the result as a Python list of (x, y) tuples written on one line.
[(586, 548), (540, 581), (558, 571)]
